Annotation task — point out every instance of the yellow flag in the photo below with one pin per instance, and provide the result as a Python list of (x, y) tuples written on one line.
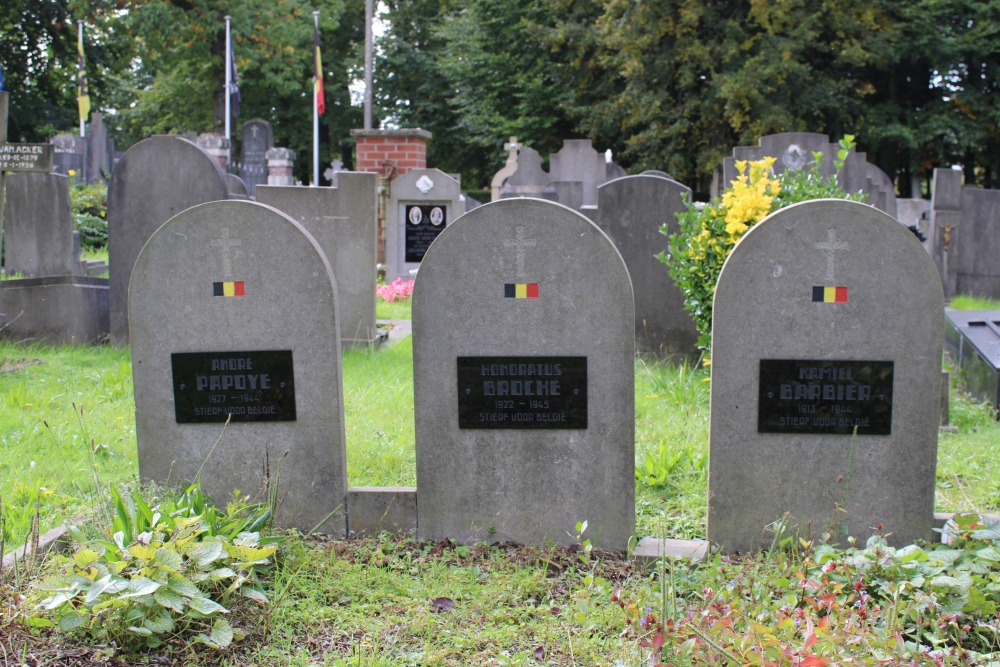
[(82, 94)]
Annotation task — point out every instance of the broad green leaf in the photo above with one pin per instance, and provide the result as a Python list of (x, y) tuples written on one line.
[(254, 594), (56, 582), (168, 559), (108, 584), (144, 631), (206, 606), (167, 598), (246, 539), (220, 573), (221, 635), (251, 555), (59, 599), (183, 586), (160, 624), (138, 587), (39, 622), (142, 551), (85, 557), (206, 552), (72, 621)]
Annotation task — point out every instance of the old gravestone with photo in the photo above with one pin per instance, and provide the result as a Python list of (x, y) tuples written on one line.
[(422, 202), (343, 221), (631, 211), (233, 315), (155, 180), (523, 377), (828, 317)]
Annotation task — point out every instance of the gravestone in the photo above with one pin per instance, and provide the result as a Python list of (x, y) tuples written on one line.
[(529, 179), (156, 179), (258, 139), (422, 202), (233, 314), (523, 380), (342, 220), (828, 317), (972, 338), (38, 230), (578, 162), (631, 211)]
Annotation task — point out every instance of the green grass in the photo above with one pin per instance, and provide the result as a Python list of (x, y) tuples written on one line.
[(967, 302), (392, 310)]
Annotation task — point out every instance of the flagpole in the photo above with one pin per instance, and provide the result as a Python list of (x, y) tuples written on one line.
[(228, 94), (83, 121), (315, 180)]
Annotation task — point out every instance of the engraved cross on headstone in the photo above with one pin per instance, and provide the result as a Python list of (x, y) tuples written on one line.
[(226, 243), (254, 130), (830, 246), (519, 244)]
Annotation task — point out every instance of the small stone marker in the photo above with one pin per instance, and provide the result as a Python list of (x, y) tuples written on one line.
[(523, 377), (828, 317), (631, 211), (233, 311), (156, 179), (421, 204), (38, 234)]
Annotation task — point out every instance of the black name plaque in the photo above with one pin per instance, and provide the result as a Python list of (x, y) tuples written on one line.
[(423, 224), (826, 396), (254, 386), (522, 392)]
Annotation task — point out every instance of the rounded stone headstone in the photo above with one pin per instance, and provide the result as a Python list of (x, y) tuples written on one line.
[(523, 373), (828, 316), (155, 180), (233, 310)]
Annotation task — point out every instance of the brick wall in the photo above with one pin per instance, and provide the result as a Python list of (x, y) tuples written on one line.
[(380, 150)]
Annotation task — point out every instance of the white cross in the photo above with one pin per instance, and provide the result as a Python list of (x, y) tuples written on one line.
[(519, 244), (830, 247)]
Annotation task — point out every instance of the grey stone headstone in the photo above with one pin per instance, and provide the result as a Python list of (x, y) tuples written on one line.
[(577, 160), (631, 211), (236, 188), (781, 440), (55, 310), (288, 308), (100, 149), (529, 179), (156, 179), (407, 239), (38, 232), (481, 475), (258, 138), (977, 244), (343, 221)]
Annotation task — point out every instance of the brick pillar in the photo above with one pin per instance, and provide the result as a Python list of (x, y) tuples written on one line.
[(217, 147), (389, 153), (279, 166)]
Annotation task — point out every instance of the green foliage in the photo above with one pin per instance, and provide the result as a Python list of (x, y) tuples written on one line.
[(164, 570), (817, 605), (89, 208), (708, 233), (970, 302)]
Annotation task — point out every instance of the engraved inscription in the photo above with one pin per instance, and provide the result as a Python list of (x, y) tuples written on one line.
[(522, 392), (825, 396), (424, 223), (251, 386)]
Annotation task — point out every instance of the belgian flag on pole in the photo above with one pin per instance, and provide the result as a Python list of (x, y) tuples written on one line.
[(82, 94), (318, 80)]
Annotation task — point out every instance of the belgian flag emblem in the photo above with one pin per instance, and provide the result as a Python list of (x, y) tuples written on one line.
[(520, 290), (822, 294), (228, 289)]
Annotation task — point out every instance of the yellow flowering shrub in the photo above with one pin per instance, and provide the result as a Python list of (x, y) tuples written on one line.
[(708, 232)]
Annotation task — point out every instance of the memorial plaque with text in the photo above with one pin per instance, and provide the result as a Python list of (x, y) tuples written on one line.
[(423, 224), (257, 386), (27, 157), (826, 396), (522, 392)]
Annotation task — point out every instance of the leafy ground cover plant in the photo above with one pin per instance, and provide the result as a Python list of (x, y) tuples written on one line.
[(166, 572), (709, 232), (89, 209)]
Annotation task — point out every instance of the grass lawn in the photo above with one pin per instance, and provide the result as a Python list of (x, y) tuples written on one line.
[(67, 433)]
